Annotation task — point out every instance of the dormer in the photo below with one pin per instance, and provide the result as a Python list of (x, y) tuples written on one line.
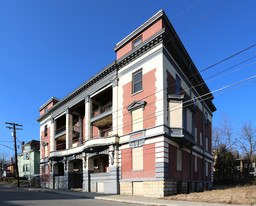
[(140, 35), (49, 104)]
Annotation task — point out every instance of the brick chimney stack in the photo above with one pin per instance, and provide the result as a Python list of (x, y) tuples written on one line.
[(11, 161), (22, 144)]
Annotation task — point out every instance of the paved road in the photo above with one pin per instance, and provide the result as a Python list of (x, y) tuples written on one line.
[(13, 197)]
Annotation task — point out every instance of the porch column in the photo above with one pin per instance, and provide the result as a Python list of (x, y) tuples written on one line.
[(69, 128), (86, 174), (115, 106), (114, 169), (80, 130), (52, 141), (65, 178), (87, 118)]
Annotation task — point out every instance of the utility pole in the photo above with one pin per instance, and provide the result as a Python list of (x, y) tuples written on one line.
[(14, 128)]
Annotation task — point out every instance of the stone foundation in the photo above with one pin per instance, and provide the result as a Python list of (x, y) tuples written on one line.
[(161, 188)]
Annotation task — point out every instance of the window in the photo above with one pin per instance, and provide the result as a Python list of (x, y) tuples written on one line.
[(45, 131), (27, 156), (46, 169), (137, 42), (195, 134), (205, 117), (46, 150), (137, 119), (206, 144), (25, 168), (179, 160), (137, 81), (178, 85), (46, 109), (137, 158), (195, 164), (206, 169), (185, 118), (201, 139)]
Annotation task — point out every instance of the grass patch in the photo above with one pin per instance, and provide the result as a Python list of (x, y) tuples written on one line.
[(221, 194)]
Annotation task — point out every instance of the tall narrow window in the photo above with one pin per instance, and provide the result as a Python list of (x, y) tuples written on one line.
[(137, 119), (137, 42), (46, 150), (137, 158), (45, 131), (178, 85), (137, 81), (195, 164), (206, 144), (179, 160), (205, 117), (201, 139), (206, 169)]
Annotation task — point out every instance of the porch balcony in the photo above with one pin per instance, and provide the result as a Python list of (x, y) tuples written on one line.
[(101, 112)]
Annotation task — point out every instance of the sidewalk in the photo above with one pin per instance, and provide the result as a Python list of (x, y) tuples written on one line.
[(127, 199)]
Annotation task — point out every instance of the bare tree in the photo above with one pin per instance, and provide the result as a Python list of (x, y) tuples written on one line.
[(247, 140), (227, 132), (217, 138)]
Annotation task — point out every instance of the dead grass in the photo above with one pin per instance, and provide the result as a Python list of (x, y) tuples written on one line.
[(11, 180), (234, 195)]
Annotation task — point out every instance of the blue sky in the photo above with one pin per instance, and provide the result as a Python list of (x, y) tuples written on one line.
[(48, 48)]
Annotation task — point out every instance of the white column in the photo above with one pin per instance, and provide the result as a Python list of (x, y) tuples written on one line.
[(52, 141), (115, 106), (69, 125), (87, 118)]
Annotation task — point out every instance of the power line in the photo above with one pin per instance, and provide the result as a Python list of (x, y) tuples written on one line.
[(185, 10)]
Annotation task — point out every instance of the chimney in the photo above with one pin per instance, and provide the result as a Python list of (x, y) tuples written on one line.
[(22, 144), (11, 161)]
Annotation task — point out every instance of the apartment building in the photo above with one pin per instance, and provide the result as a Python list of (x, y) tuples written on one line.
[(141, 126)]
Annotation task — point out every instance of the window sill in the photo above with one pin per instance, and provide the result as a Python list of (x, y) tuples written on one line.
[(133, 94), (138, 170)]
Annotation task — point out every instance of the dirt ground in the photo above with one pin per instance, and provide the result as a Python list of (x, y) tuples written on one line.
[(231, 195)]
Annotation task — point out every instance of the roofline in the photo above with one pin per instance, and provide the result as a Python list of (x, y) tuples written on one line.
[(121, 43), (189, 58), (48, 102), (79, 89)]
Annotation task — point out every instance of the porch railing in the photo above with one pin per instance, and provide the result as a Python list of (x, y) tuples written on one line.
[(102, 109), (61, 129)]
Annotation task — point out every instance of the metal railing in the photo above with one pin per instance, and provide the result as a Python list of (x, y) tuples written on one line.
[(102, 109), (61, 129)]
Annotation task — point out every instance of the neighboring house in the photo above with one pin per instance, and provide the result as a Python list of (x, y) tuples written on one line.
[(140, 126), (11, 169), (29, 159), (244, 168)]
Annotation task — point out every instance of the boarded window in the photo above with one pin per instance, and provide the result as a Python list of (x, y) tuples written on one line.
[(137, 158), (137, 119), (179, 160), (175, 109), (46, 150)]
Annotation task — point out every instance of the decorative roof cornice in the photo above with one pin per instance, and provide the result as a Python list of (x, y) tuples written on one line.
[(48, 102), (97, 77), (152, 20), (141, 49)]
